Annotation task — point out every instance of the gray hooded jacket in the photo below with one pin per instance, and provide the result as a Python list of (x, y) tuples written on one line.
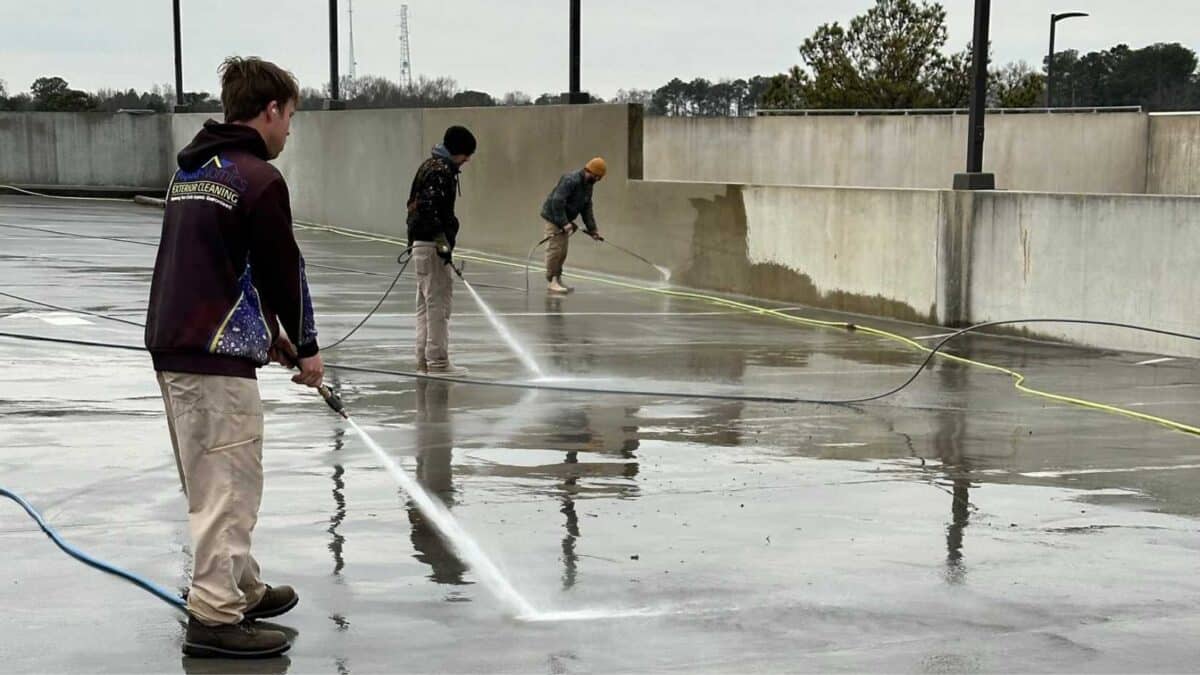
[(569, 199)]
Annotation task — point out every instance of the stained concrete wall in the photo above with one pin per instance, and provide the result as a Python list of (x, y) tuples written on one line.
[(84, 149), (353, 169), (1174, 166), (919, 254), (1119, 258), (1070, 152), (864, 250)]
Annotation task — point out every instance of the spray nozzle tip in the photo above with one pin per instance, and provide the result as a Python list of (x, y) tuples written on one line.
[(334, 401)]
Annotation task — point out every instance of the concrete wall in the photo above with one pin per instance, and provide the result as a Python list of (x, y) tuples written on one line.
[(85, 149), (917, 254), (1120, 258), (350, 168), (863, 250), (1174, 166), (354, 168), (1081, 152)]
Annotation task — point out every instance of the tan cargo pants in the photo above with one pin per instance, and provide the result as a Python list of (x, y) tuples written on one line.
[(556, 250), (216, 426), (435, 298)]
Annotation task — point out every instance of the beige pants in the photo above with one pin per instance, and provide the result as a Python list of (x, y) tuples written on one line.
[(556, 250), (216, 426), (435, 297)]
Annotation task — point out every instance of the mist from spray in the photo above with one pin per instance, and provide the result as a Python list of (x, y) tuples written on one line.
[(522, 354)]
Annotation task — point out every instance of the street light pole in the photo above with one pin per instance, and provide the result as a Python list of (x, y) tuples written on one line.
[(180, 106), (575, 93), (1054, 19), (334, 101), (974, 178)]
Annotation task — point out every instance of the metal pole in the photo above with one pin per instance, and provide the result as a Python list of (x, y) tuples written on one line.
[(333, 50), (178, 57), (574, 90), (1054, 19), (1050, 64), (974, 178), (979, 91)]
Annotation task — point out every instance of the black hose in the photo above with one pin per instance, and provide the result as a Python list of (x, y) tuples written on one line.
[(71, 309), (403, 260), (673, 394), (529, 258)]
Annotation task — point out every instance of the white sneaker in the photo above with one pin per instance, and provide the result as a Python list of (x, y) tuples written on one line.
[(556, 286), (448, 370)]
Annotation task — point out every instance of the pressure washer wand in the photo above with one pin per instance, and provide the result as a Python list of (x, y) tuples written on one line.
[(334, 401), (627, 251), (331, 398)]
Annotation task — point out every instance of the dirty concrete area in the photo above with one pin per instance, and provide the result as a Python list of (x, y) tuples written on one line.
[(959, 526)]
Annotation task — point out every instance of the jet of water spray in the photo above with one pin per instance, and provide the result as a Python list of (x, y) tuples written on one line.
[(464, 545), (522, 354)]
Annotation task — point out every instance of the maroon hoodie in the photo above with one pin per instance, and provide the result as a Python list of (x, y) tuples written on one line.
[(228, 271)]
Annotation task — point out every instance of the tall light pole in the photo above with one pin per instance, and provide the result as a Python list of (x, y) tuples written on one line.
[(575, 93), (1054, 19), (180, 106), (334, 101), (974, 178)]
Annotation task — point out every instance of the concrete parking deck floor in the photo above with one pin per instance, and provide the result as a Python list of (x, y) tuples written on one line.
[(959, 526)]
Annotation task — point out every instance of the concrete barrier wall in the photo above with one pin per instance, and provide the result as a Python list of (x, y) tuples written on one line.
[(1073, 152), (1119, 258), (85, 149), (353, 169), (917, 254), (872, 251), (1174, 167), (350, 168)]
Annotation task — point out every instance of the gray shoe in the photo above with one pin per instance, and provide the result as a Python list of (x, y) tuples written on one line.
[(233, 641), (449, 370)]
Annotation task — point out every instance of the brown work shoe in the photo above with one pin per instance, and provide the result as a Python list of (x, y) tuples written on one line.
[(233, 641), (276, 601)]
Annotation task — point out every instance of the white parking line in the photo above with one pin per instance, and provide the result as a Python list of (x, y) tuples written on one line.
[(1084, 472)]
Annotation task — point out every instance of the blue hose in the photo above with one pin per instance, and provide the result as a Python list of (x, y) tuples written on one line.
[(162, 593)]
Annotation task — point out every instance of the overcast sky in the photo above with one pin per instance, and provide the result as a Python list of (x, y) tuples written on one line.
[(504, 45)]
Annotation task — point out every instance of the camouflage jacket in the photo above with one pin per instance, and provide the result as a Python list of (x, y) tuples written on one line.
[(431, 200)]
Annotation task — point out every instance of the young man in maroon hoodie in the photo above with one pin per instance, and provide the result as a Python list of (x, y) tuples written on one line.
[(228, 277)]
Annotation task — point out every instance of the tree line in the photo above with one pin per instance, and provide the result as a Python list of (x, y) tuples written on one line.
[(891, 56)]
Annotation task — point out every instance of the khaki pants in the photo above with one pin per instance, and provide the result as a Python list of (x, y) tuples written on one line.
[(435, 297), (556, 250), (216, 426)]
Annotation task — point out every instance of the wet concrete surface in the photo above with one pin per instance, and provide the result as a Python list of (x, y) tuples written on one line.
[(960, 526)]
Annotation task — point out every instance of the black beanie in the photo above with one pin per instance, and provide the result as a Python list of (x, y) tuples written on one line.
[(459, 141)]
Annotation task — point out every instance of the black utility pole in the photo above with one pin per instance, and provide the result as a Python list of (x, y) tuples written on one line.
[(975, 178), (1054, 19), (334, 101), (575, 94), (180, 106)]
